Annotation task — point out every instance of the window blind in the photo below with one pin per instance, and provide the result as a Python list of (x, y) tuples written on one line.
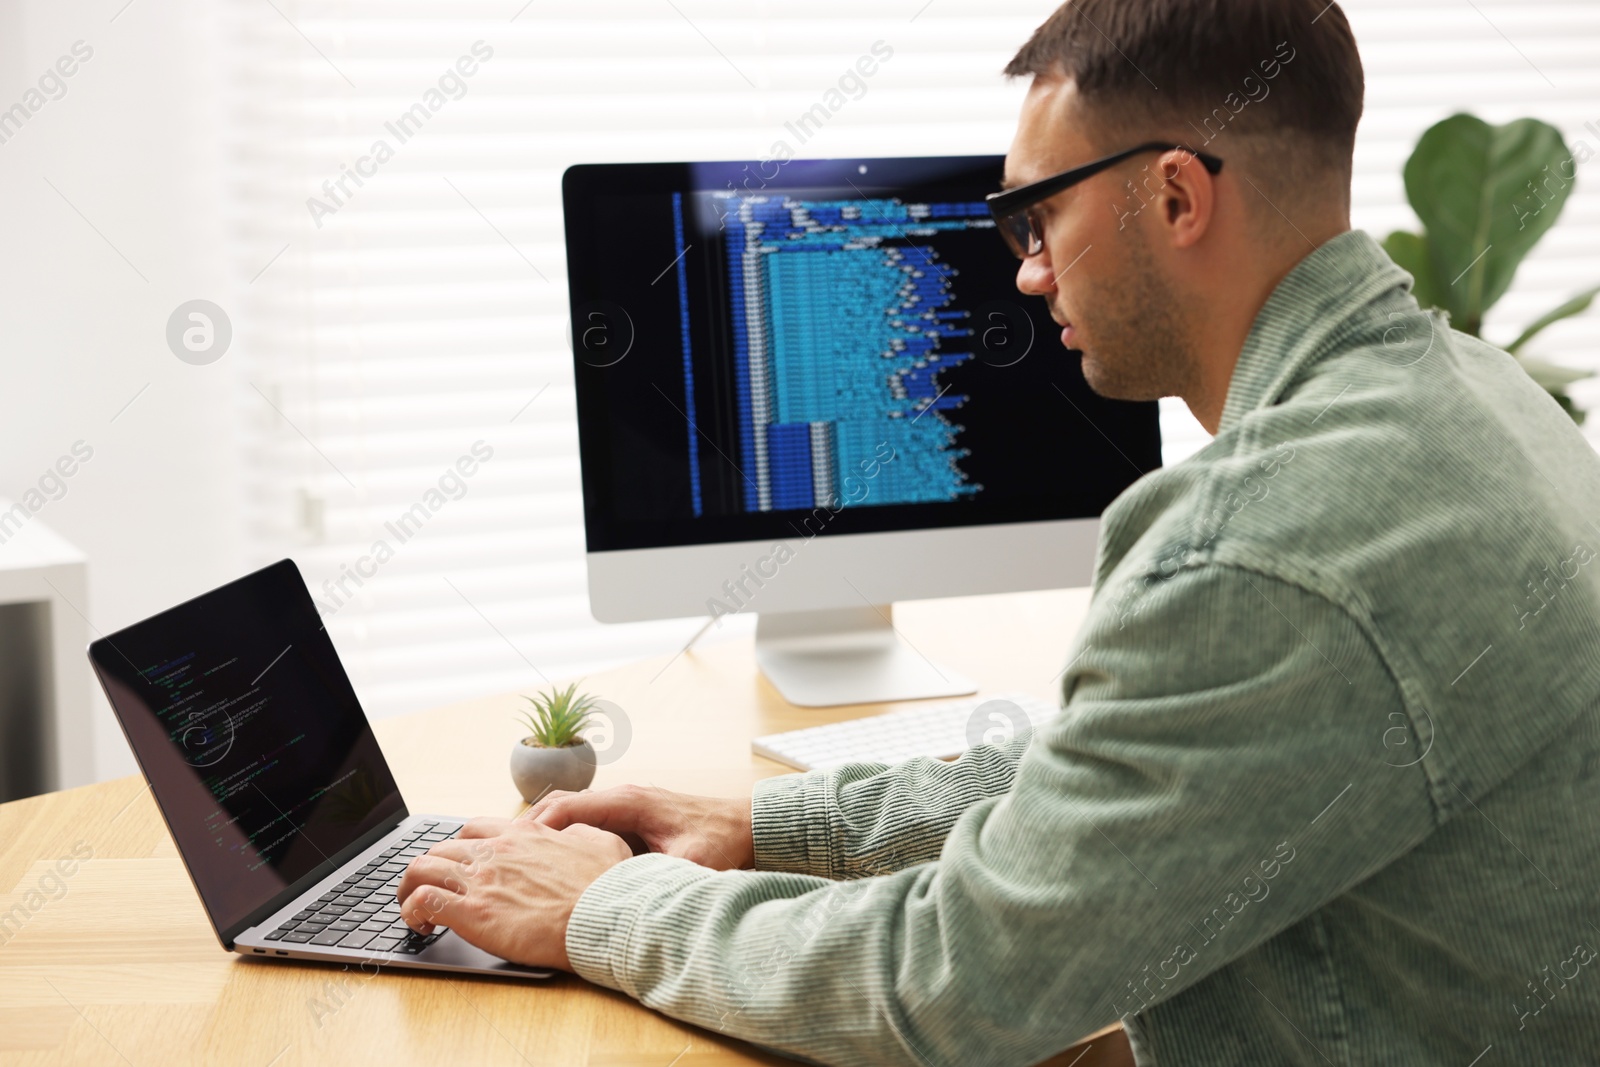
[(394, 177)]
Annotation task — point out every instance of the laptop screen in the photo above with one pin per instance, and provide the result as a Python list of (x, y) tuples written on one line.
[(251, 737)]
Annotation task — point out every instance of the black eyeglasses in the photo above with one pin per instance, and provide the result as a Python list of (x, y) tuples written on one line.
[(1013, 210)]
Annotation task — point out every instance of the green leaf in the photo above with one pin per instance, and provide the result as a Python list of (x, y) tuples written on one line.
[(1410, 253), (1485, 195), (1553, 377), (1576, 305), (1577, 414), (558, 718)]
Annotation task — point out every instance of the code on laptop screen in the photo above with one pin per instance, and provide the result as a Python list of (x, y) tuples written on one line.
[(255, 746)]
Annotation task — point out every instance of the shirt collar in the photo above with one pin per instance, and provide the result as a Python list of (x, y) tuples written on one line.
[(1300, 320)]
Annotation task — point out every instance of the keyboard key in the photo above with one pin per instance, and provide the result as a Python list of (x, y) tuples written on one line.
[(324, 898), (344, 924), (357, 939), (297, 937), (329, 937), (375, 925), (301, 915), (319, 920), (366, 908), (277, 934), (383, 944)]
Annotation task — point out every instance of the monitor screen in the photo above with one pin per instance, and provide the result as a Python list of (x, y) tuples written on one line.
[(757, 346), (253, 742)]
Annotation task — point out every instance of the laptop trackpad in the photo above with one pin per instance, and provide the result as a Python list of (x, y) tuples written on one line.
[(453, 951)]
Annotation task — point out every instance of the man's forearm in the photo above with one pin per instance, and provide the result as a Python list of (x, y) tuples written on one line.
[(867, 819)]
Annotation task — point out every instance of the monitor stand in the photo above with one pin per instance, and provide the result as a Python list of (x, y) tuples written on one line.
[(820, 659)]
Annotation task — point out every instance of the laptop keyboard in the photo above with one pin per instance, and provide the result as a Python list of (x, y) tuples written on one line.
[(361, 912)]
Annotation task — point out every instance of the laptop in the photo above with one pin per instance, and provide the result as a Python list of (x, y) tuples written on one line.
[(271, 783)]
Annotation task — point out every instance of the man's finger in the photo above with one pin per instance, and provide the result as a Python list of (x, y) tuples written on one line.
[(431, 906), (617, 810), (467, 853), (484, 826), (534, 810), (430, 870)]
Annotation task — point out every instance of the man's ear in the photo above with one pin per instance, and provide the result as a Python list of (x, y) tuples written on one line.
[(1187, 198)]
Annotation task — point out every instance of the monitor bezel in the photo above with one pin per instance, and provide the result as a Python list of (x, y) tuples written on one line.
[(583, 183)]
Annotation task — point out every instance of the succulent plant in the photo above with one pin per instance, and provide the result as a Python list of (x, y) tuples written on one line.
[(557, 718)]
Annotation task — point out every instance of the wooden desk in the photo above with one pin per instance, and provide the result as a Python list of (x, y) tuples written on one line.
[(122, 966)]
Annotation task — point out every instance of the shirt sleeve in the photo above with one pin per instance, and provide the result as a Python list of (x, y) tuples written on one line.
[(1219, 772), (869, 818)]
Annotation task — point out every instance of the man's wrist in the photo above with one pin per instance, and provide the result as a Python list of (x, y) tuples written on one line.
[(745, 818), (601, 922)]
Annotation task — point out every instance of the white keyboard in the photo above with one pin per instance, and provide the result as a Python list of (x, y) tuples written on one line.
[(943, 731)]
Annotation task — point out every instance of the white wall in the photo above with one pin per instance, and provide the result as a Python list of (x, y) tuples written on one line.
[(136, 145), (81, 333)]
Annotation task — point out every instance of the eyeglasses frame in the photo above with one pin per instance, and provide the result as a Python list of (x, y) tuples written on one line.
[(1009, 203)]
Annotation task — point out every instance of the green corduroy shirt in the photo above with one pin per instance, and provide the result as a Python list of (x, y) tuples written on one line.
[(1325, 783)]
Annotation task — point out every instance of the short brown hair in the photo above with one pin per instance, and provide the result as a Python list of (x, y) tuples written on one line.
[(1282, 74)]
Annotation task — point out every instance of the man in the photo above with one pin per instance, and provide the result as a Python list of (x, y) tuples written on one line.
[(1325, 788)]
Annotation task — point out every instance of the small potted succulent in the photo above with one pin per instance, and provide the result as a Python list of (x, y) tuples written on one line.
[(555, 754)]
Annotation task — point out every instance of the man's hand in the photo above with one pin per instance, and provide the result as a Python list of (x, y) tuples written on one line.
[(508, 886), (712, 831)]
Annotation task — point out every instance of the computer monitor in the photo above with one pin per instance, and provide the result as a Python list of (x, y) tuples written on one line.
[(810, 388)]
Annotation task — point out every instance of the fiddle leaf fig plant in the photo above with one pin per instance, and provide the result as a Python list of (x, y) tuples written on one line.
[(557, 719), (1486, 195)]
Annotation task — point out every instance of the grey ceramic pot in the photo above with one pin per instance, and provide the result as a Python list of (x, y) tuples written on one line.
[(537, 771)]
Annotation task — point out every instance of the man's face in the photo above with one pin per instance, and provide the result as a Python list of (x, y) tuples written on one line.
[(1099, 272)]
